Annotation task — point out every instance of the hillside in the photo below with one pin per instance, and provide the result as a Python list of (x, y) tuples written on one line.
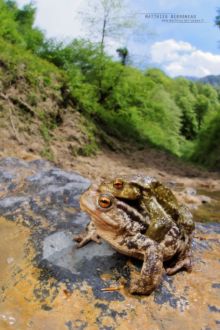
[(38, 120), (62, 101), (213, 80), (33, 106)]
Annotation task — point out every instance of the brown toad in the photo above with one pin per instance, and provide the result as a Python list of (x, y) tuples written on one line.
[(123, 227)]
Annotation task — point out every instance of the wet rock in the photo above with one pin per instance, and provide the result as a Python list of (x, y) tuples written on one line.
[(190, 197), (47, 283), (11, 203), (190, 191)]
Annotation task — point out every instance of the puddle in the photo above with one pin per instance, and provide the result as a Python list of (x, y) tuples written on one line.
[(208, 212)]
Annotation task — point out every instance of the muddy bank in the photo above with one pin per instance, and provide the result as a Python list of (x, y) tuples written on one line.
[(127, 160), (46, 283)]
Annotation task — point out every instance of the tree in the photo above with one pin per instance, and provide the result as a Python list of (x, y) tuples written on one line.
[(123, 54), (9, 27), (201, 108), (33, 37), (107, 19), (217, 18), (17, 25), (189, 125), (207, 151)]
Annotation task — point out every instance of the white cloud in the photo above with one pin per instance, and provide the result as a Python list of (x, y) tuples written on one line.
[(181, 58)]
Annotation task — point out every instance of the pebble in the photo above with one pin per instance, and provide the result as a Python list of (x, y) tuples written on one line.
[(10, 260)]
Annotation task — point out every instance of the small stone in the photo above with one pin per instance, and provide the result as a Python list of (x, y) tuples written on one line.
[(10, 260), (190, 191), (11, 320), (205, 199), (3, 316), (35, 147)]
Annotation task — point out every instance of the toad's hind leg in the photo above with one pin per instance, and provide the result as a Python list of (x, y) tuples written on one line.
[(184, 261), (151, 272)]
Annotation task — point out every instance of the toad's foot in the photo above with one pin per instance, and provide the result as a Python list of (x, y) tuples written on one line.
[(184, 260), (185, 263), (89, 235), (84, 238)]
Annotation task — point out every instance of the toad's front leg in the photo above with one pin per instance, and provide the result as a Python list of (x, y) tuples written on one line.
[(88, 235), (161, 222), (152, 268)]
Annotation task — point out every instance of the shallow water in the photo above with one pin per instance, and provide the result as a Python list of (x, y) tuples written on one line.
[(208, 212)]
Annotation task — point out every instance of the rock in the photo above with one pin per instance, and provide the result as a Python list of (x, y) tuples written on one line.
[(205, 199), (190, 197), (47, 283), (35, 147), (190, 191)]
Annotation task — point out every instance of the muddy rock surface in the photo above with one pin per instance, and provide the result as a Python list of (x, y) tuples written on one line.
[(47, 283)]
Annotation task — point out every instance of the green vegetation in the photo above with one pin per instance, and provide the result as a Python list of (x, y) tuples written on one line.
[(207, 150), (17, 25), (180, 116)]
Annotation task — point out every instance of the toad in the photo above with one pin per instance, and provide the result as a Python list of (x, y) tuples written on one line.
[(125, 229), (152, 199)]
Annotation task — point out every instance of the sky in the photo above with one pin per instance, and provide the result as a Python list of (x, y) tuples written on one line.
[(188, 49)]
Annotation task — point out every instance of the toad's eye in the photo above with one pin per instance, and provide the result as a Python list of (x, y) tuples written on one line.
[(104, 202), (118, 184)]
